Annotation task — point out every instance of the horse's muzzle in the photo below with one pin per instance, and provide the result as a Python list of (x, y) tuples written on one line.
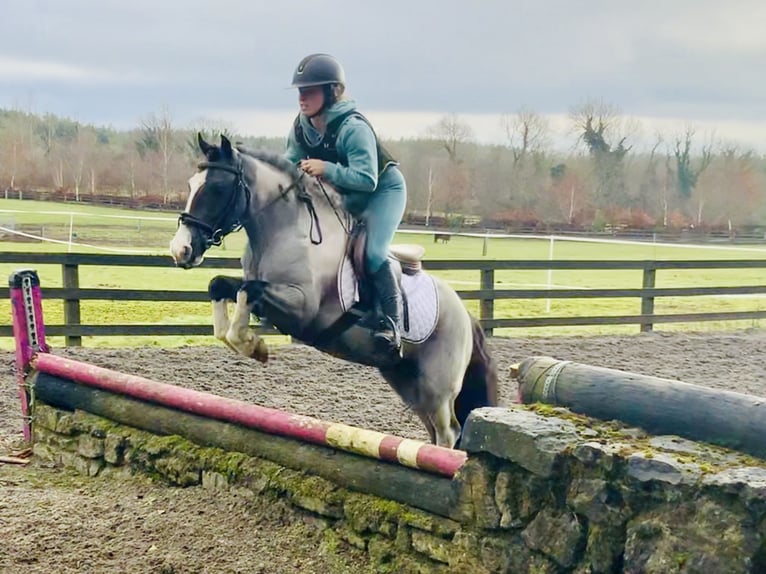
[(182, 249), (188, 261)]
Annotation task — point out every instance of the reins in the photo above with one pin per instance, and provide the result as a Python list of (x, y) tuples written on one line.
[(343, 224), (307, 198)]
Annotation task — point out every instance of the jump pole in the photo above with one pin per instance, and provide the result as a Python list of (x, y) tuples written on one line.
[(659, 406), (407, 452)]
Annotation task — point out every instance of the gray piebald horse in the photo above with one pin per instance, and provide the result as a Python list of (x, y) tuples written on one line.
[(298, 276)]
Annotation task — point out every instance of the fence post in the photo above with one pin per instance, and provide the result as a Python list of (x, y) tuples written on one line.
[(71, 277), (647, 302), (487, 306)]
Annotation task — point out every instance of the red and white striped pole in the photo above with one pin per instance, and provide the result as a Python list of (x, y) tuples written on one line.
[(373, 444)]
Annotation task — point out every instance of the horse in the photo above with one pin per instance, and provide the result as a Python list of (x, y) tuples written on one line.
[(298, 272)]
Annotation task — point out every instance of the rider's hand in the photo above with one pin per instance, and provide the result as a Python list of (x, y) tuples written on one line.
[(313, 167)]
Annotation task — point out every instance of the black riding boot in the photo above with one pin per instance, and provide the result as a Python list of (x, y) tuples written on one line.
[(390, 298)]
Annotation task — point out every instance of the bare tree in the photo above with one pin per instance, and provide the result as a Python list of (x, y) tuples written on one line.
[(16, 146), (132, 160), (57, 173), (726, 191), (76, 154), (653, 184), (603, 131), (158, 139), (527, 137), (453, 182), (526, 132), (451, 132), (687, 172)]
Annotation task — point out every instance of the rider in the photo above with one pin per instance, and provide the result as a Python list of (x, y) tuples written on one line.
[(331, 140)]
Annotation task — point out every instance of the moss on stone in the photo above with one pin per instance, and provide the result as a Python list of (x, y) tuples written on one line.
[(94, 424), (709, 458)]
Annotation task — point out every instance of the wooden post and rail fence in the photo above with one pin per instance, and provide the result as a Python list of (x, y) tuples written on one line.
[(73, 294)]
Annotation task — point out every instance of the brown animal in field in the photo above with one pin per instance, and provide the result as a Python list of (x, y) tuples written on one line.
[(442, 237)]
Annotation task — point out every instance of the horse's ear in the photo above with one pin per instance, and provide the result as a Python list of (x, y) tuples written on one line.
[(203, 145), (226, 146)]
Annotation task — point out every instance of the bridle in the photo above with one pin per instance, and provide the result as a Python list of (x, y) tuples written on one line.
[(214, 234)]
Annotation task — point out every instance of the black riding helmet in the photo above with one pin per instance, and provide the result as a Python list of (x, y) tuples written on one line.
[(320, 70)]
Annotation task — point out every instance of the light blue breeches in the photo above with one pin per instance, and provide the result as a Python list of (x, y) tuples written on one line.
[(383, 215)]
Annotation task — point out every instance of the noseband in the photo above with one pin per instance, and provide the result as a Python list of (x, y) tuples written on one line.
[(214, 234)]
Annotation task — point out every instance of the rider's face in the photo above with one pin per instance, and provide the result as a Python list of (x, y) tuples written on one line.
[(310, 100)]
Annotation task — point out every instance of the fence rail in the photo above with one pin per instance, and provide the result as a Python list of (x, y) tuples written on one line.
[(72, 294)]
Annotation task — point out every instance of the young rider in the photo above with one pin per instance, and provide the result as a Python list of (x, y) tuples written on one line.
[(331, 140)]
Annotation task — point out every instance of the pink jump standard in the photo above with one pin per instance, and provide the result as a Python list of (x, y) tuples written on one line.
[(28, 332)]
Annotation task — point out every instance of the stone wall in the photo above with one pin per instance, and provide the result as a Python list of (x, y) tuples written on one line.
[(543, 491)]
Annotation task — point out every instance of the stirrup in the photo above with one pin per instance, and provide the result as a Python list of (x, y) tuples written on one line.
[(387, 335)]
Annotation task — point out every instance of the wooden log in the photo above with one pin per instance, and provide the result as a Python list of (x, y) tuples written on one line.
[(660, 406), (388, 480)]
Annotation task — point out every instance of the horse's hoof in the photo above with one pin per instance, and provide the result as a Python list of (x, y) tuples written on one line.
[(261, 352)]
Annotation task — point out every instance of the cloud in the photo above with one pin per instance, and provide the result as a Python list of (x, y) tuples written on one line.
[(114, 62), (18, 70)]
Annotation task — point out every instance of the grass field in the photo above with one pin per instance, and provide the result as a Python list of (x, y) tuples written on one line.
[(149, 232)]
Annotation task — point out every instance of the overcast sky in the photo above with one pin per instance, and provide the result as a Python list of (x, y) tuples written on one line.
[(668, 63)]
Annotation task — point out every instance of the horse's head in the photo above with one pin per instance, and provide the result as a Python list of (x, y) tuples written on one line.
[(218, 200)]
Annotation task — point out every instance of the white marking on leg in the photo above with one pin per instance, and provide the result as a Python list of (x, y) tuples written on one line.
[(240, 320), (220, 319), (240, 336), (221, 322), (442, 419)]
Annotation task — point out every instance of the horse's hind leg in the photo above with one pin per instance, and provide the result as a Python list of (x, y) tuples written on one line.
[(442, 425), (431, 394), (446, 426), (428, 423)]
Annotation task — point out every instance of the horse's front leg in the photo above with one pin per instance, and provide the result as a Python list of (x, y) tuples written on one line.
[(221, 291), (239, 335)]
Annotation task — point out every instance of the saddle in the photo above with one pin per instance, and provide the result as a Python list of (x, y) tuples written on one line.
[(420, 303), (407, 255)]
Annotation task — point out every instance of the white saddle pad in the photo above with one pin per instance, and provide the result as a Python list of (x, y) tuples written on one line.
[(420, 296)]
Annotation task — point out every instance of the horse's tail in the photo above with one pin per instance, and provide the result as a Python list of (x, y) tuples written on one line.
[(480, 378)]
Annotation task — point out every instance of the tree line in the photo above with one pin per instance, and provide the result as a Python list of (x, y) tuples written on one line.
[(607, 177)]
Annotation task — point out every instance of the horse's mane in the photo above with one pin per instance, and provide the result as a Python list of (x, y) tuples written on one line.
[(305, 184), (273, 159)]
